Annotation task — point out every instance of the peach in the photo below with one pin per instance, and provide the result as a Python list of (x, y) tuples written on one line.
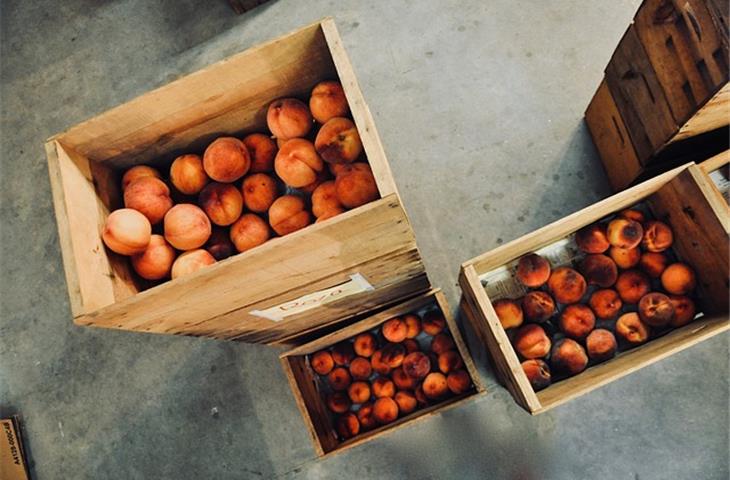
[(406, 401), (442, 342), (601, 345), (338, 402), (324, 199), (322, 362), (532, 342), (261, 150), (538, 373), (605, 303), (365, 344), (222, 202), (226, 160), (433, 322), (339, 379), (248, 232), (435, 385), (567, 285), (655, 309), (338, 168), (411, 345), (338, 141), (395, 330), (187, 227), (402, 380), (625, 257), (599, 270), (383, 387), (509, 312), (577, 321), (684, 310), (632, 214), (289, 118), (360, 368), (219, 244), (343, 353), (356, 185), (458, 381), (379, 366), (450, 361), (538, 306), (533, 270), (678, 279), (366, 416), (156, 261), (328, 214), (137, 172), (568, 357), (126, 231), (328, 100), (322, 177), (149, 196), (385, 410), (630, 327), (393, 354), (416, 365), (413, 325), (188, 175), (657, 236), (348, 425), (191, 261), (592, 239), (624, 233), (288, 214), (421, 396), (653, 263), (359, 392), (298, 163), (259, 192), (632, 285)]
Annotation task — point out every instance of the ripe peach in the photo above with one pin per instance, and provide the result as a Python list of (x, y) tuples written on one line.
[(137, 172), (653, 263), (655, 309), (605, 303), (329, 214), (328, 100), (509, 313), (187, 227), (402, 380), (222, 202), (577, 321), (435, 385), (395, 330), (343, 353), (684, 310), (601, 345), (226, 160), (322, 177), (632, 285), (458, 381), (322, 362), (678, 279), (365, 344), (625, 257), (657, 236), (219, 244), (624, 233), (288, 214), (393, 354), (298, 163), (259, 192), (126, 231), (338, 141), (188, 175), (356, 185), (449, 361), (531, 341), (339, 379), (385, 410), (568, 357), (630, 327), (567, 285), (383, 387), (289, 118), (359, 392), (421, 396), (191, 261), (411, 345), (366, 416), (155, 262), (599, 270), (337, 168), (360, 368), (416, 365), (533, 270), (262, 151), (413, 325), (433, 322), (379, 365), (406, 401), (538, 306), (538, 373), (338, 402), (149, 196), (248, 232), (592, 239), (442, 342), (632, 214), (348, 425), (324, 199)]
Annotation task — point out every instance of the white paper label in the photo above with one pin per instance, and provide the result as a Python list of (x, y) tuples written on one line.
[(356, 284)]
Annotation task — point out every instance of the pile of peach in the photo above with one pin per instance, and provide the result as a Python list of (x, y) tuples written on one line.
[(242, 192), (625, 286), (376, 377)]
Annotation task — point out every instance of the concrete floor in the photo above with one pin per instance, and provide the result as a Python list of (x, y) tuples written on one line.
[(479, 105)]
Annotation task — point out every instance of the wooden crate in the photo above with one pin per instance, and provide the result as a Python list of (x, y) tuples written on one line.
[(717, 170), (681, 197), (308, 279), (303, 380)]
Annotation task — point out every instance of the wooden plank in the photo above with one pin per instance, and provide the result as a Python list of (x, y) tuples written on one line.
[(713, 195), (715, 162), (714, 114)]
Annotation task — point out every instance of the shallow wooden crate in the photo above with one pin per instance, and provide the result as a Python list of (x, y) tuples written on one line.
[(309, 272), (685, 200), (303, 380), (717, 170)]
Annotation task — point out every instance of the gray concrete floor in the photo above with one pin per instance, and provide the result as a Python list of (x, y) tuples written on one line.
[(479, 105)]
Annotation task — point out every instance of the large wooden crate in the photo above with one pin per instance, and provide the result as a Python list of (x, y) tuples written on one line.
[(271, 294), (717, 170), (685, 199)]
